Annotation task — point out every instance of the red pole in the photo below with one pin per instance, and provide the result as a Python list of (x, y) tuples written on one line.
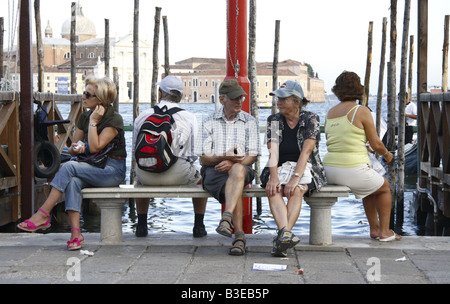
[(237, 62)]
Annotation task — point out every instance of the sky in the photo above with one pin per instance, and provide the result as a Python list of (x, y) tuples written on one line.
[(330, 35)]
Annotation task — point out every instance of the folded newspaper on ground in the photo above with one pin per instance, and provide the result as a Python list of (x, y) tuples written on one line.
[(269, 267)]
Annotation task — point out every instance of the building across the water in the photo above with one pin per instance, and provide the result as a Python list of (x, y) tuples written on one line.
[(90, 59), (201, 76)]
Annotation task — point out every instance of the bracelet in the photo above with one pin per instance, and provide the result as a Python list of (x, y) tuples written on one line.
[(92, 124)]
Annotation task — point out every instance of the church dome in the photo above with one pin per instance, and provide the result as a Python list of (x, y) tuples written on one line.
[(85, 28)]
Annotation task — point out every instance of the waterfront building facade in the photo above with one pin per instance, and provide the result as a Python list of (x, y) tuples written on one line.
[(201, 76)]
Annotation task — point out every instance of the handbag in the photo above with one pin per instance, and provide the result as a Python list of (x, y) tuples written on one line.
[(98, 159)]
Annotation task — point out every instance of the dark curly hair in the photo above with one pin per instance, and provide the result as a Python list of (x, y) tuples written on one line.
[(348, 87)]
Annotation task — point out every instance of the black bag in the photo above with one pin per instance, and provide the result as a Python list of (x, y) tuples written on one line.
[(153, 151), (98, 159)]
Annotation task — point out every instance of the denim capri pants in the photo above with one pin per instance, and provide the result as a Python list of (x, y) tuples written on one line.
[(73, 176)]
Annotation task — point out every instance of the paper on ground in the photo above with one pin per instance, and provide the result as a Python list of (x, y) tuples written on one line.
[(269, 267), (401, 259)]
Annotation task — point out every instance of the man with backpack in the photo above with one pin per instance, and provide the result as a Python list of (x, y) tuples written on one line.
[(163, 148), (228, 148)]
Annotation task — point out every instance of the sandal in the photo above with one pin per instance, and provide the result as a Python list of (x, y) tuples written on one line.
[(238, 249), (394, 237), (31, 227), (225, 230), (78, 243)]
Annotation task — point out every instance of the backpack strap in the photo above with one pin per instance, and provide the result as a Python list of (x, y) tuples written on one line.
[(164, 109), (174, 110)]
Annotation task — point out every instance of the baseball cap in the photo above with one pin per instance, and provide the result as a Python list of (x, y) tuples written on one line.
[(289, 88), (231, 88), (171, 83)]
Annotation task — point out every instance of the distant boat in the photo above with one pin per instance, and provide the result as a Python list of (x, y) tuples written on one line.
[(263, 105), (411, 158)]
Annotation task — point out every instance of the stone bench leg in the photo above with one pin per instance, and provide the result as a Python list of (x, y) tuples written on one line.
[(110, 220), (320, 220)]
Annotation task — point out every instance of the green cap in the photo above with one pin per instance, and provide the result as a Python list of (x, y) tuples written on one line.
[(231, 88)]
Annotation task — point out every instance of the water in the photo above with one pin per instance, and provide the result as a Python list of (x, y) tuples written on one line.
[(176, 215)]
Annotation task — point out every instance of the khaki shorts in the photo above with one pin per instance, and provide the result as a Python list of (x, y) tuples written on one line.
[(362, 180), (181, 173)]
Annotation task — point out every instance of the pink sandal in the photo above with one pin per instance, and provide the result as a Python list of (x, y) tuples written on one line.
[(78, 243), (31, 227)]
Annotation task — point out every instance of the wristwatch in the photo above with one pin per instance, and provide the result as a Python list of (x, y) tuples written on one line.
[(297, 174), (92, 124)]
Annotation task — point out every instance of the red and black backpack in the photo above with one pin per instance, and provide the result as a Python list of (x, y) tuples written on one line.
[(153, 151)]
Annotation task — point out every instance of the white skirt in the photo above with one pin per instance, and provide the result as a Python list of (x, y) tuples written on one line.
[(362, 180)]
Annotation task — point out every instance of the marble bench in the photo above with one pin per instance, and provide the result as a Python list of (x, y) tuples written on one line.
[(111, 199)]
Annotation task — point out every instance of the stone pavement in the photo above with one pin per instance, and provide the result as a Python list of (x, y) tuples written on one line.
[(169, 258)]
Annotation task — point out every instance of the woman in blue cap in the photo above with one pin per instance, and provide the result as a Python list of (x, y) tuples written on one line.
[(294, 169)]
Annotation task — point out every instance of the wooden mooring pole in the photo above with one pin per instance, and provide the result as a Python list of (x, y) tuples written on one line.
[(166, 46), (136, 60), (73, 49), (445, 55), (252, 77), (365, 100), (2, 28), (422, 85), (26, 110), (154, 93), (411, 60), (381, 76), (275, 64), (107, 49), (39, 47), (391, 104), (401, 118), (135, 80)]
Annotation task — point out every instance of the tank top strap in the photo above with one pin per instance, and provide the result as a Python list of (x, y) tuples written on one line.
[(354, 114)]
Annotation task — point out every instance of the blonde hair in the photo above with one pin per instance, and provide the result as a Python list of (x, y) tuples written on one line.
[(105, 89)]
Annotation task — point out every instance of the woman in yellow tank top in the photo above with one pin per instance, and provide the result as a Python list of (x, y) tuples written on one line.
[(348, 127)]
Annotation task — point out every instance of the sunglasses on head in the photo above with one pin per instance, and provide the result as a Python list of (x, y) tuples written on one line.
[(88, 95)]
